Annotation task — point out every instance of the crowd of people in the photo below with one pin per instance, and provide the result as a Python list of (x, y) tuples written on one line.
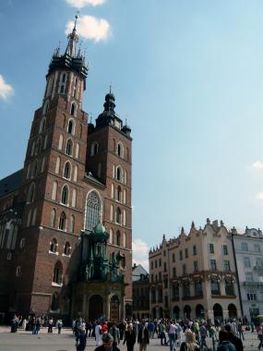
[(184, 335)]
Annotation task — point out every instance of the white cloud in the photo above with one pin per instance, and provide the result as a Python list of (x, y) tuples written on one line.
[(140, 252), (259, 196), (258, 164), (90, 27), (6, 90), (82, 3)]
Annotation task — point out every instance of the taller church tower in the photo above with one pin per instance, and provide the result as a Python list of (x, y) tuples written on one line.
[(75, 176)]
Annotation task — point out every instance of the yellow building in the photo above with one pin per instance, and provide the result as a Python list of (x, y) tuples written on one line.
[(194, 275)]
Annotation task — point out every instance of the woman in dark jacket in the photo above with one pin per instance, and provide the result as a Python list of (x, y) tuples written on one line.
[(129, 337)]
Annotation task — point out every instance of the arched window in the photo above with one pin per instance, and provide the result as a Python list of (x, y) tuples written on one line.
[(62, 221), (53, 245), (64, 195), (69, 147), (94, 148), (119, 173), (119, 194), (54, 191), (73, 109), (62, 83), (71, 127), (118, 238), (67, 249), (58, 273), (67, 170), (53, 218), (118, 215), (60, 142), (31, 193), (120, 150), (57, 165), (93, 207)]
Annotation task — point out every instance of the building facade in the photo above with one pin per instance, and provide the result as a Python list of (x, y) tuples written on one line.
[(248, 248), (75, 176), (194, 275), (141, 292)]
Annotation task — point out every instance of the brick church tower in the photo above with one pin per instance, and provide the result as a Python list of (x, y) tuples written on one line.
[(75, 176)]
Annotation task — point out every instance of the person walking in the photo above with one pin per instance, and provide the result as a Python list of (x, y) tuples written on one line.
[(129, 337), (107, 343), (190, 343), (224, 343), (50, 325), (98, 334), (81, 338), (143, 336), (260, 335), (172, 334), (59, 325), (115, 332), (236, 341)]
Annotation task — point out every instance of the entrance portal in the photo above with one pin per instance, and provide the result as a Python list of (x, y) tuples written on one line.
[(95, 307)]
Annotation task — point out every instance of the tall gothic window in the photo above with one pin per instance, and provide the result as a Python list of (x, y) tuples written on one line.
[(71, 127), (67, 170), (64, 195), (93, 207), (62, 221), (53, 245), (69, 147), (58, 273)]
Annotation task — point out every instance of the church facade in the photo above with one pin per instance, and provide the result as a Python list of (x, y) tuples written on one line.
[(73, 193)]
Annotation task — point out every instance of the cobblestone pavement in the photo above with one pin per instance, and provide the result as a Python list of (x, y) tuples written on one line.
[(25, 341)]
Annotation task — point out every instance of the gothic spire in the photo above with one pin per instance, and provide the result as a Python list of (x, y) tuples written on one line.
[(73, 38)]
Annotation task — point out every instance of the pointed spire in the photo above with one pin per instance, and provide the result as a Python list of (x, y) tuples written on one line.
[(72, 40), (193, 225)]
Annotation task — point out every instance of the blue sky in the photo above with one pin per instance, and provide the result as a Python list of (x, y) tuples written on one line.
[(188, 76)]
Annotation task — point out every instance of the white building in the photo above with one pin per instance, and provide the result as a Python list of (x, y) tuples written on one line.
[(248, 249)]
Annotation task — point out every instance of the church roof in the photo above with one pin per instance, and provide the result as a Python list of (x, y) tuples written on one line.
[(11, 183)]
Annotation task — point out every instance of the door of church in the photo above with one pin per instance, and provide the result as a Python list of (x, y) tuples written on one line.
[(95, 307), (114, 309)]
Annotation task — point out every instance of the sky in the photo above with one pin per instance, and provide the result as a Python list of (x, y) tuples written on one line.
[(187, 76)]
